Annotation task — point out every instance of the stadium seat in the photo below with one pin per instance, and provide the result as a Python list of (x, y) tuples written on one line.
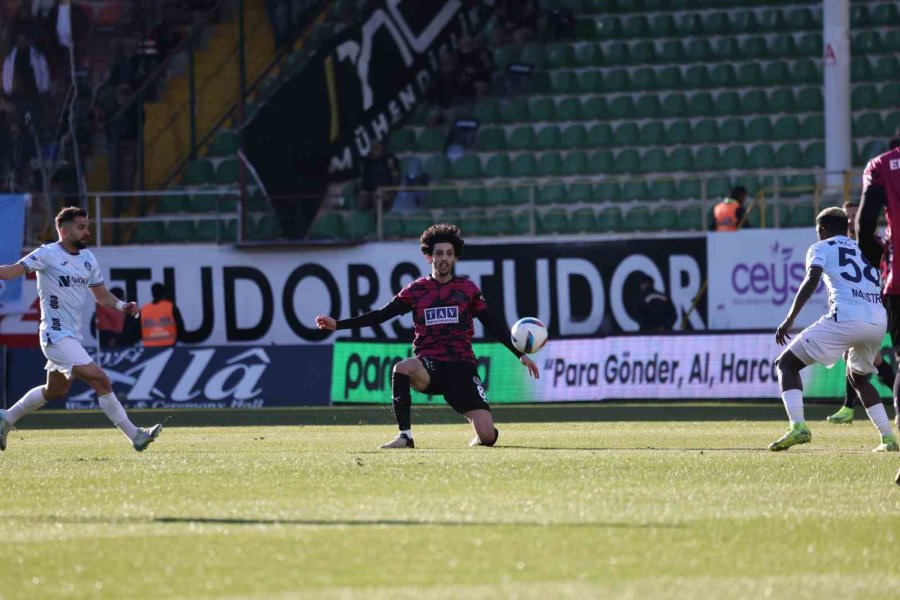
[(555, 220), (403, 140), (173, 204), (890, 41), (498, 196), (669, 78), (805, 71), (644, 79), (813, 127), (473, 222), (868, 125), (497, 165), (228, 171), (688, 25), (643, 52), (661, 25), (705, 131), (634, 190), (542, 109), (590, 82), (626, 161), (329, 225), (637, 219), (609, 219), (600, 134), (698, 50), (679, 132), (653, 161), (810, 99), (568, 109), (547, 138), (800, 19), (687, 189), (786, 128), (814, 155), (574, 136), (860, 69), (501, 222), (626, 134), (179, 231), (466, 167), (788, 156), (863, 97), (689, 218), (889, 98), (579, 193), (885, 68), (776, 73), (595, 108), (263, 228), (753, 47), (491, 138), (743, 21), (432, 139), (523, 138), (734, 157), (707, 158), (361, 225), (674, 105), (662, 190), (762, 156), (730, 131), (607, 191), (717, 187), (652, 133), (772, 20), (884, 15), (810, 45), (198, 172), (575, 163), (551, 193), (437, 167), (226, 143), (749, 75), (616, 53), (621, 107), (601, 162), (524, 165), (865, 43), (664, 218), (486, 110), (681, 160), (513, 111), (616, 80), (753, 102), (583, 220), (564, 82), (701, 105), (146, 232), (443, 197), (550, 164), (672, 51), (210, 231)]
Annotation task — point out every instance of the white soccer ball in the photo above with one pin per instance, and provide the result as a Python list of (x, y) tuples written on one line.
[(528, 335)]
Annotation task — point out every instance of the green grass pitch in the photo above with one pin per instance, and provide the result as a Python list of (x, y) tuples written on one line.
[(569, 509)]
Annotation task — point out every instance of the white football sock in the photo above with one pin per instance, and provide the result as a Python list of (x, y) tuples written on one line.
[(406, 432), (30, 402), (879, 418), (793, 404), (116, 413)]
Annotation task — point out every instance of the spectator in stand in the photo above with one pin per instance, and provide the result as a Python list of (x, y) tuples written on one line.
[(116, 329), (412, 199), (654, 311), (729, 214), (440, 93), (474, 69), (26, 78), (379, 169), (517, 21), (161, 322)]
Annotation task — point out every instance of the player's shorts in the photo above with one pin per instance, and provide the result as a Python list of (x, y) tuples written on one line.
[(892, 305), (826, 340), (458, 382), (64, 355)]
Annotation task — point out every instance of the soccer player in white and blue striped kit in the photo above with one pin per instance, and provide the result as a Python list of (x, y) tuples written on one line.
[(64, 270)]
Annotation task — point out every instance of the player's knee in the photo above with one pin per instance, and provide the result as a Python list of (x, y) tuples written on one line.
[(405, 367), (54, 394), (101, 384)]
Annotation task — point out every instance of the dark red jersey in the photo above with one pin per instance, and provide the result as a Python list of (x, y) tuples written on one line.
[(442, 313), (884, 171)]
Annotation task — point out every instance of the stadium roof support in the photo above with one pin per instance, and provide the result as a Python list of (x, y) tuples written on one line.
[(836, 56)]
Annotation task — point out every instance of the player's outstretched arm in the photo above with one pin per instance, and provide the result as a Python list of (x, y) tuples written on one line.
[(105, 298), (392, 309), (8, 272), (497, 329), (807, 288)]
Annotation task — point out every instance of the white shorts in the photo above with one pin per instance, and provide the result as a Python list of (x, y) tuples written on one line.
[(826, 340), (65, 354)]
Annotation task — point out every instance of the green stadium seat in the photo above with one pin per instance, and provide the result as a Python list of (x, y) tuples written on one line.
[(813, 127), (627, 161), (814, 155), (179, 231), (583, 220), (786, 128), (595, 108), (626, 134), (868, 125), (805, 71), (734, 157), (550, 164), (403, 140), (513, 111), (590, 82), (226, 143), (432, 139), (669, 78), (524, 165), (860, 69), (689, 25), (551, 193), (689, 218), (621, 107), (601, 162), (199, 171), (672, 51), (202, 203), (523, 138), (574, 136), (884, 15), (209, 231), (643, 53), (788, 156), (810, 99), (491, 138), (500, 223), (637, 219), (329, 225), (568, 109), (679, 132), (548, 138), (800, 19), (147, 232), (783, 46), (662, 190), (704, 131), (522, 222), (607, 191), (707, 158), (866, 152), (802, 215), (617, 53), (717, 187), (579, 193), (173, 204), (635, 26), (776, 73), (885, 68), (743, 21), (643, 78), (263, 228), (730, 131), (664, 218), (506, 55), (600, 134), (865, 43), (716, 23), (727, 49), (772, 20), (753, 102), (753, 47), (810, 45), (749, 75), (723, 75), (586, 29), (863, 97), (533, 54), (466, 167), (498, 196), (675, 105), (698, 50), (587, 55), (542, 109), (799, 185), (681, 160), (652, 133), (486, 110), (654, 161), (436, 167), (687, 189), (609, 27), (443, 198), (564, 82), (762, 156), (889, 98), (473, 222), (497, 165), (890, 41), (701, 105), (609, 219), (782, 100), (575, 163), (554, 220), (634, 190), (661, 25), (616, 80), (258, 203)]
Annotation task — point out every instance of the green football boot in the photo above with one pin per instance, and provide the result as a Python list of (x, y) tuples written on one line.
[(842, 417), (888, 444), (798, 434)]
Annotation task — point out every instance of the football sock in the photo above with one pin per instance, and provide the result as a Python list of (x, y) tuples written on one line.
[(879, 418), (30, 402), (793, 404), (116, 413), (886, 374), (850, 395), (402, 400)]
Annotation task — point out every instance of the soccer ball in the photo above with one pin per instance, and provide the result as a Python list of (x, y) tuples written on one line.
[(528, 335)]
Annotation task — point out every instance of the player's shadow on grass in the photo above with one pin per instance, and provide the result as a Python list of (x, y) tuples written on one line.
[(405, 523), (629, 449)]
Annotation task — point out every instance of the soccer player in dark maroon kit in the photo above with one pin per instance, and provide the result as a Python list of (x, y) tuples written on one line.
[(443, 306)]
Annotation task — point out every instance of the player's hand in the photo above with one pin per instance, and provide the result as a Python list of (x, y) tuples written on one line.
[(782, 334), (529, 364), (324, 322), (131, 308)]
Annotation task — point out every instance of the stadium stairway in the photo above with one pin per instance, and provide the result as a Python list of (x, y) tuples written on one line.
[(652, 101)]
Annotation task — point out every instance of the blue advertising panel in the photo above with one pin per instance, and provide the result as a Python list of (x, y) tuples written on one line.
[(12, 232), (194, 377)]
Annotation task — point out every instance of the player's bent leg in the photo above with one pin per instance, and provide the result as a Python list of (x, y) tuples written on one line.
[(406, 373), (789, 367), (483, 423), (844, 415), (875, 409), (56, 389)]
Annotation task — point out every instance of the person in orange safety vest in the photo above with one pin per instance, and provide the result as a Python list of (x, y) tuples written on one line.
[(161, 323), (729, 213)]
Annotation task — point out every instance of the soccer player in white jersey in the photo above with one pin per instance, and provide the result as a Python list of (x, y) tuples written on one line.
[(64, 270), (856, 322)]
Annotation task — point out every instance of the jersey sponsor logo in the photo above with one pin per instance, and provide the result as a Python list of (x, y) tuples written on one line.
[(88, 265), (69, 280), (442, 315), (894, 164)]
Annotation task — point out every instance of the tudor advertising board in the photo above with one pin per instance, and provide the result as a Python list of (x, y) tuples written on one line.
[(228, 296)]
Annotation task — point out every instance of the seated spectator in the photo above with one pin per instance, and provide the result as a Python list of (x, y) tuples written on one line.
[(474, 69), (379, 169), (412, 199), (517, 21), (26, 79)]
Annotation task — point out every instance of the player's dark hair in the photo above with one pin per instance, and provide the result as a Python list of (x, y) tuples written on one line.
[(738, 191), (440, 234), (69, 214), (834, 220), (894, 143), (158, 292)]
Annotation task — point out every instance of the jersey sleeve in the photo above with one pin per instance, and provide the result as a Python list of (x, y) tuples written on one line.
[(96, 276), (479, 304), (815, 256), (407, 295), (872, 174), (38, 260)]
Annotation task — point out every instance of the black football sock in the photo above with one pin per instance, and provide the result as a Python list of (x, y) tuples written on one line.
[(402, 399), (849, 395), (886, 374)]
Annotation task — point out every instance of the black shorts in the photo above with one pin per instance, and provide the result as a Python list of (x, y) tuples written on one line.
[(458, 382), (892, 304)]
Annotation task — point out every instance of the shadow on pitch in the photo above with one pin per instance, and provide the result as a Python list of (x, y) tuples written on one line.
[(406, 523), (626, 449)]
